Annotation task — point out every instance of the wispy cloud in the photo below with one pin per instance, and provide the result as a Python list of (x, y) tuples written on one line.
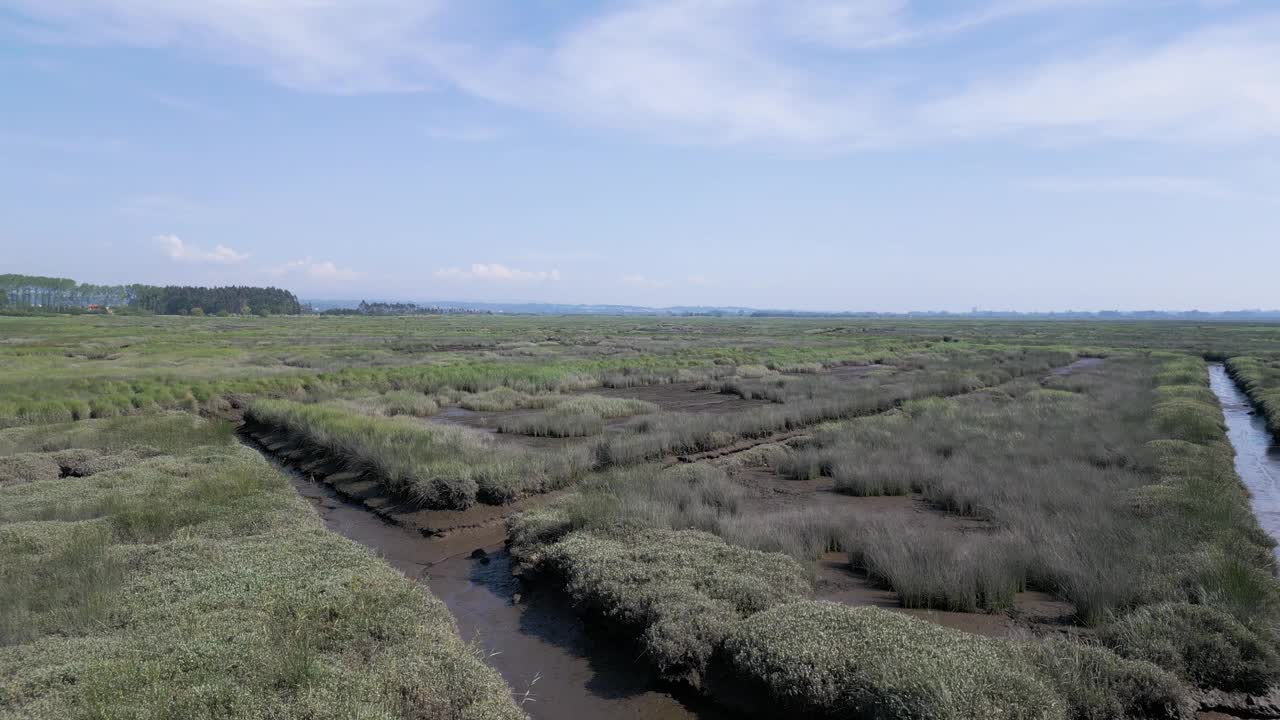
[(325, 270), (161, 206), (338, 46), (463, 133), (827, 73), (180, 251), (1218, 84), (1145, 184), (642, 281), (493, 272)]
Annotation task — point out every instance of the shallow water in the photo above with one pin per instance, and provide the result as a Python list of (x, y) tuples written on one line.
[(1257, 454), (556, 666)]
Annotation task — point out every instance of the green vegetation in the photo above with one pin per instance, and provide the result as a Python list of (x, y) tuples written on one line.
[(559, 423), (681, 591), (175, 300), (26, 292), (435, 466), (1201, 643), (719, 476), (1260, 378), (196, 583), (940, 374), (824, 660)]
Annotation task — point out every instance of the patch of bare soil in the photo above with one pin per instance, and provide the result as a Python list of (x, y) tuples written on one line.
[(1033, 613), (1084, 363), (488, 422), (1216, 705), (852, 372), (681, 397)]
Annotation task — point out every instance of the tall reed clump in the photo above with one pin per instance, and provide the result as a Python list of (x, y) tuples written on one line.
[(681, 497), (1085, 478), (553, 423), (436, 466)]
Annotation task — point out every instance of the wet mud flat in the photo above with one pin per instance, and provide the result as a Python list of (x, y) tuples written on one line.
[(1080, 365), (557, 665)]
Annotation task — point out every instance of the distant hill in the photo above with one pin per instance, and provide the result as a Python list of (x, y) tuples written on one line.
[(319, 305)]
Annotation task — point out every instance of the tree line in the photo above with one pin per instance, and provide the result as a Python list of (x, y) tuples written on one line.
[(38, 293), (231, 300)]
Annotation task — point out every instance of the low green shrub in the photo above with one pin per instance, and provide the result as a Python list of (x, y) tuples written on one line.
[(1203, 644), (28, 467), (1096, 684), (1190, 420), (824, 660), (680, 591)]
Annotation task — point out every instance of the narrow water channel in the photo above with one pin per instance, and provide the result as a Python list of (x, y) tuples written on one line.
[(1257, 453), (556, 666)]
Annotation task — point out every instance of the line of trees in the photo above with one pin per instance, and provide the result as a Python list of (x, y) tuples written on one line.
[(231, 300), (36, 293), (52, 293)]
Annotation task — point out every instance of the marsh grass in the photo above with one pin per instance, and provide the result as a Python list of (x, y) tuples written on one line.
[(682, 497), (1260, 378), (436, 466), (929, 376), (56, 578), (680, 591), (823, 660), (933, 568), (557, 422), (198, 584)]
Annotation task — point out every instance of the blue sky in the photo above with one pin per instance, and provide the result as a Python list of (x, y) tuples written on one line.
[(815, 154)]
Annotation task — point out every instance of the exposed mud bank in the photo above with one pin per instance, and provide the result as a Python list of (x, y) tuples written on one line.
[(360, 487), (1257, 453), (557, 665)]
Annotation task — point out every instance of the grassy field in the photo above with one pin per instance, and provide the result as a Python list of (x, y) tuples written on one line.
[(178, 575), (729, 495)]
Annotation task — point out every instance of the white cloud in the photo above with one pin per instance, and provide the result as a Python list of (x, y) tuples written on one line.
[(176, 249), (1219, 84), (641, 281), (1145, 184), (159, 206), (494, 272), (463, 133), (827, 73), (332, 46), (325, 271)]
